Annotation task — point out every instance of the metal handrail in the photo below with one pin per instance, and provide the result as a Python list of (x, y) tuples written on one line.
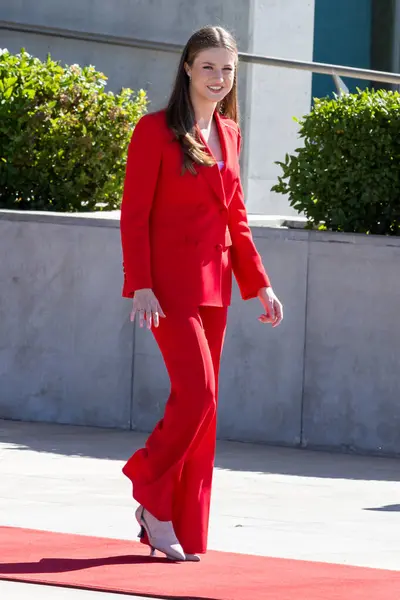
[(302, 65)]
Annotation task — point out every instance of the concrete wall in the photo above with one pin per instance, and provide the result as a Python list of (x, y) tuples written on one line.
[(328, 377), (269, 97)]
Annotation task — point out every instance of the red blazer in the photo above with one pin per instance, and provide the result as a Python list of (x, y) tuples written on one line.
[(182, 235)]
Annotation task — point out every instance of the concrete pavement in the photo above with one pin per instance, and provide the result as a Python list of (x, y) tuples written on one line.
[(269, 501)]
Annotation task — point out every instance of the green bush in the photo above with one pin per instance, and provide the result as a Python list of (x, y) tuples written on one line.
[(346, 177), (63, 139)]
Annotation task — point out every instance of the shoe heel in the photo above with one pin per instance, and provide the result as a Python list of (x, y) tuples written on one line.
[(171, 549)]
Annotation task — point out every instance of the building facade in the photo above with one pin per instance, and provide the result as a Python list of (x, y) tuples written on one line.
[(269, 97), (360, 33), (357, 33), (342, 36)]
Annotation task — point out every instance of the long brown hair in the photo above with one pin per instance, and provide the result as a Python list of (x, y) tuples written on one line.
[(180, 113)]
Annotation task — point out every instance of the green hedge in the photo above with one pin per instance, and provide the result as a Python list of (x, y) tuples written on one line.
[(346, 177), (63, 139)]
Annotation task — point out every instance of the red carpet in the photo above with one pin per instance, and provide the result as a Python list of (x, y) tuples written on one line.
[(121, 566)]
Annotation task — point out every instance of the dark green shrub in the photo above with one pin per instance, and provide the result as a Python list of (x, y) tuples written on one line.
[(347, 175), (63, 139)]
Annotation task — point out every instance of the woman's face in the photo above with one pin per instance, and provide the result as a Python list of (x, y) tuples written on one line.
[(212, 74)]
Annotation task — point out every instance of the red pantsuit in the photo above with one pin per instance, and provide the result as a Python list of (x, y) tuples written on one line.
[(172, 474), (182, 236)]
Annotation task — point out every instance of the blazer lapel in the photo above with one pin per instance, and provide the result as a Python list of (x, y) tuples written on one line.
[(213, 174)]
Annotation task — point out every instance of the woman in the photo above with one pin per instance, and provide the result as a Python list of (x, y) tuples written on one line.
[(184, 230)]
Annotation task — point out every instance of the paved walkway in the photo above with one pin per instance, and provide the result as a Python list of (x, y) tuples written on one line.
[(270, 501)]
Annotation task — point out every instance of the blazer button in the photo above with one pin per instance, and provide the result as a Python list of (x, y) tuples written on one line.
[(219, 246)]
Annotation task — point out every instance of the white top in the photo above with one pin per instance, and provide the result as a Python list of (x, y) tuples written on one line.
[(220, 164)]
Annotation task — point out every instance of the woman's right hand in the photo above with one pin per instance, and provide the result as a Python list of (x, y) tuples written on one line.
[(146, 305)]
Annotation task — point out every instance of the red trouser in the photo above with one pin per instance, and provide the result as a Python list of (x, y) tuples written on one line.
[(172, 475)]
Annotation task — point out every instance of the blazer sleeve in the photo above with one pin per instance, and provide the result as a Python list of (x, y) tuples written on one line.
[(246, 262), (142, 169)]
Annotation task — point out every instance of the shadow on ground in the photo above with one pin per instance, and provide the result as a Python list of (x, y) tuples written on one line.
[(111, 444), (20, 571)]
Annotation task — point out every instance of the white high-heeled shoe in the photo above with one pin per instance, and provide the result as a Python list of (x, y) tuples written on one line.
[(161, 535)]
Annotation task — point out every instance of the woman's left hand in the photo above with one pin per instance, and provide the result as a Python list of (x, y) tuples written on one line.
[(273, 307)]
